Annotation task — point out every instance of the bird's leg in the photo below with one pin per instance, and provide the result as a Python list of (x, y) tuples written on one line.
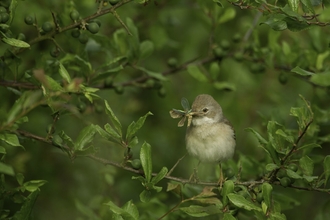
[(221, 177), (194, 176)]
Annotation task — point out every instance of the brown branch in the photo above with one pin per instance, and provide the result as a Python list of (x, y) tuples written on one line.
[(272, 175), (23, 85), (177, 179), (295, 145), (76, 24), (135, 81), (168, 72)]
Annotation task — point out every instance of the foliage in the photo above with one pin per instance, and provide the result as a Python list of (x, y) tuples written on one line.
[(85, 71)]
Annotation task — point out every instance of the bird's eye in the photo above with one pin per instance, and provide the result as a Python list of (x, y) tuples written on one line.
[(205, 110)]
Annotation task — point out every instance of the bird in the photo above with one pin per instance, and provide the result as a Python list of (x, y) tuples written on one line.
[(210, 137)]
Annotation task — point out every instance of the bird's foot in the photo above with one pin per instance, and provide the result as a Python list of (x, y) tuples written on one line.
[(194, 177)]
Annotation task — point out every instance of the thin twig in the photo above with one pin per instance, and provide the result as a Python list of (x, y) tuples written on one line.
[(171, 210), (175, 165), (272, 175), (254, 24), (121, 22)]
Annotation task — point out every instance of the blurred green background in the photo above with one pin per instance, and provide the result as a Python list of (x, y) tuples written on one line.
[(183, 30)]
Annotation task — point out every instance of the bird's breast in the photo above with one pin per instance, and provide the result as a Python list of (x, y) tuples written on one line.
[(211, 142)]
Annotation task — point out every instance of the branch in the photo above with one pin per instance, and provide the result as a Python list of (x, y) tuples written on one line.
[(294, 147), (133, 82), (59, 30), (272, 175), (168, 72), (249, 184)]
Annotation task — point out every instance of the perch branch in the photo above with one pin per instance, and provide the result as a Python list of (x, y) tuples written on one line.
[(173, 178)]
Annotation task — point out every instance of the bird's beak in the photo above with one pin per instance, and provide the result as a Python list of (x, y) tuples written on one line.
[(193, 113)]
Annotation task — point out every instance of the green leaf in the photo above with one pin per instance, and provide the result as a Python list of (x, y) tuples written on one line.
[(293, 174), (75, 61), (308, 5), (277, 216), (309, 146), (264, 208), (156, 188), (294, 25), (228, 216), (15, 42), (6, 169), (145, 157), (294, 4), (214, 70), (10, 139), (142, 1), (291, 14), (218, 2), (51, 84), (146, 49), (175, 187), (2, 150), (26, 209), (116, 123), (225, 86), (228, 15), (131, 208), (135, 126), (201, 211), (310, 178), (258, 136), (213, 200), (301, 72), (276, 141), (85, 137), (275, 21), (26, 102), (304, 114), (134, 41), (145, 196), (271, 167), (140, 178), (64, 73), (20, 178), (134, 141), (267, 194), (286, 48), (228, 187), (117, 61), (307, 165), (300, 114), (287, 137), (243, 203), (196, 73), (107, 73), (112, 132), (34, 185), (155, 75), (127, 212), (66, 139), (320, 59), (4, 26), (266, 146), (321, 79), (326, 167), (162, 173)]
